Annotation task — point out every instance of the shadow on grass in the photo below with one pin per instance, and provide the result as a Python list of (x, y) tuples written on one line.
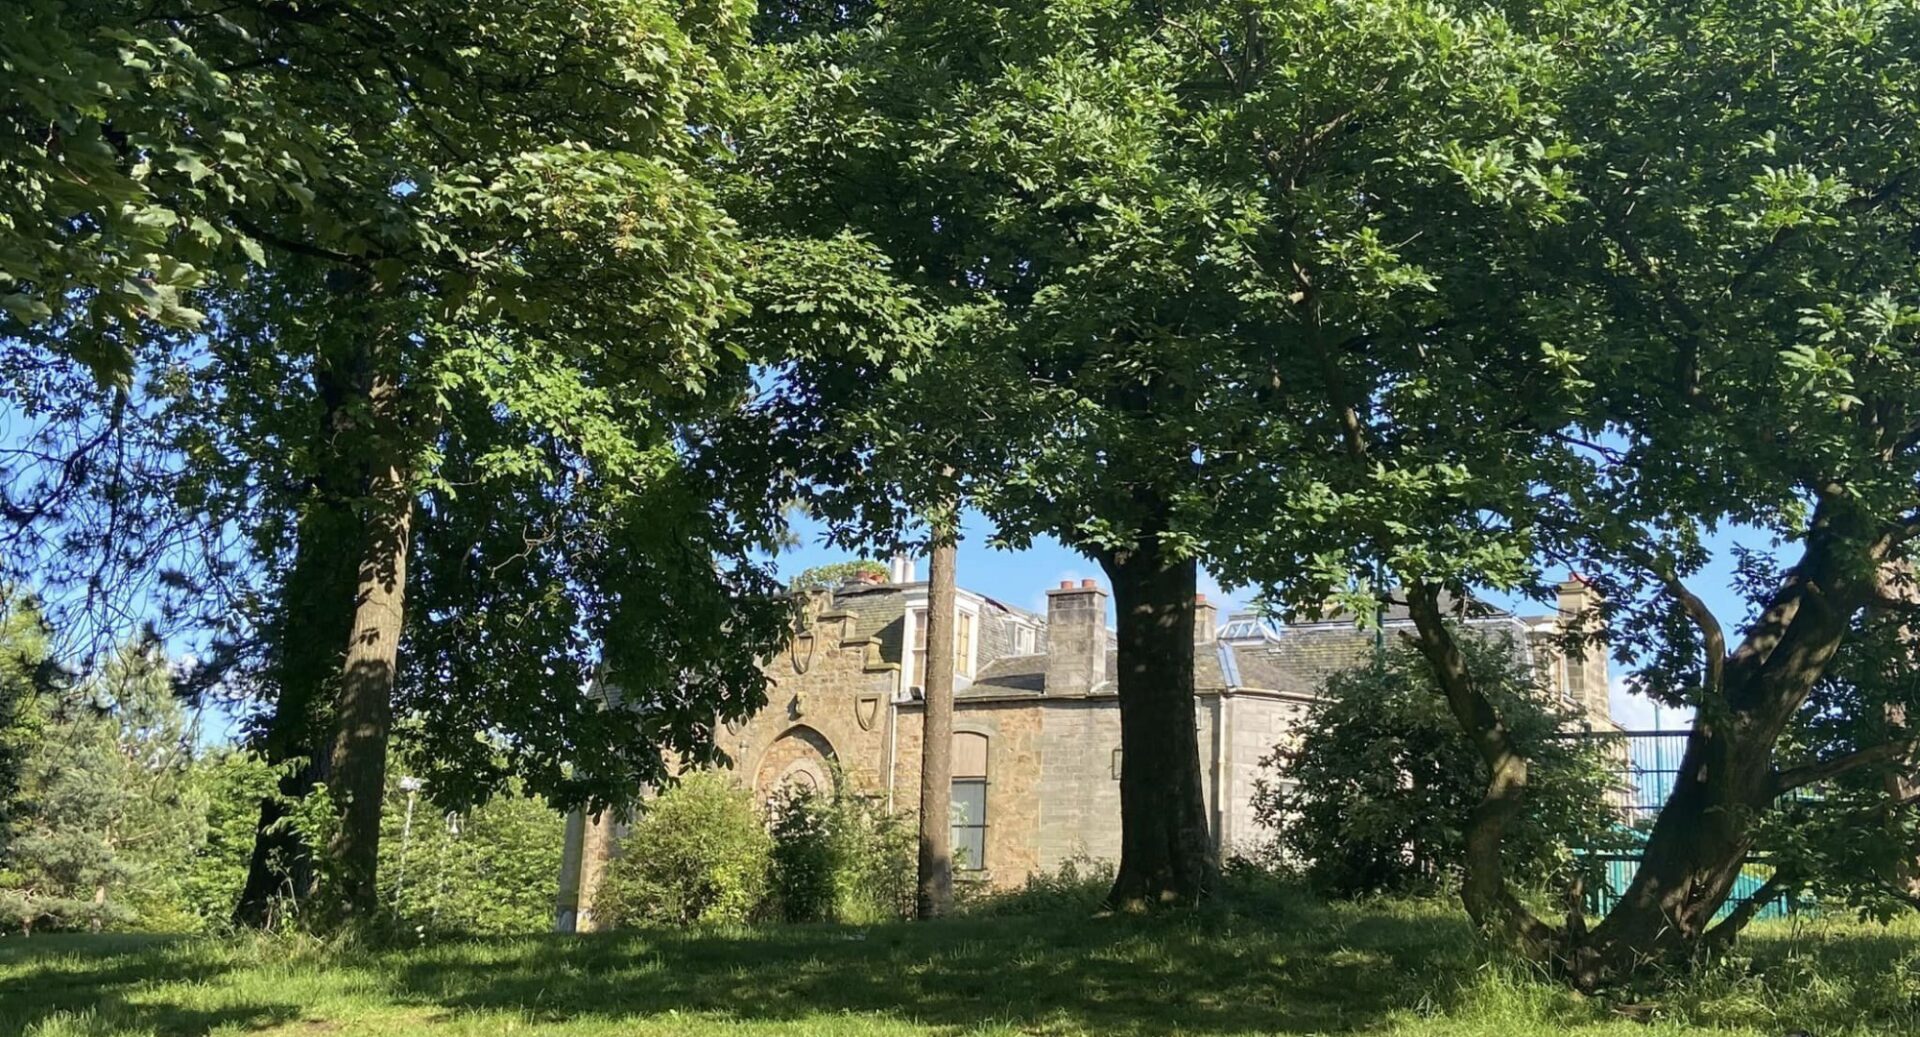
[(82, 985), (1215, 972)]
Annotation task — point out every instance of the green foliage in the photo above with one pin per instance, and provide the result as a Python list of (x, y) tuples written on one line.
[(1375, 795), (1078, 886), (24, 671), (697, 854), (839, 858), (487, 870), (110, 819), (833, 574), (229, 784), (129, 142)]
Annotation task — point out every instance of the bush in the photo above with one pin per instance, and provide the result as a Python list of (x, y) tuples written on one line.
[(488, 870), (697, 855), (1079, 886), (839, 858), (1376, 797)]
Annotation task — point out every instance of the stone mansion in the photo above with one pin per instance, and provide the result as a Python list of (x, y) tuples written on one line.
[(1036, 754)]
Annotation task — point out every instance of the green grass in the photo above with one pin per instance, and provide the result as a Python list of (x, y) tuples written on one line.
[(1278, 967)]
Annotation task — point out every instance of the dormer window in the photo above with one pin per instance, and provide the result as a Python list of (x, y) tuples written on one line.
[(963, 638), (1023, 640)]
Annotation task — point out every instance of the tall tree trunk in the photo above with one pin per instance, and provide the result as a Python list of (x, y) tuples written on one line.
[(597, 846), (936, 736), (310, 627), (1166, 849), (363, 711)]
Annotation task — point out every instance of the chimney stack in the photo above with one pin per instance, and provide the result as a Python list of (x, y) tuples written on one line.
[(1206, 622), (900, 568), (1076, 638), (1586, 665)]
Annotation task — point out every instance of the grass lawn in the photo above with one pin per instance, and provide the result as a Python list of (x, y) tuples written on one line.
[(1273, 968)]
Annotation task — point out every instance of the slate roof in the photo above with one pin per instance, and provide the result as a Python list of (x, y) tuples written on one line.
[(1293, 660)]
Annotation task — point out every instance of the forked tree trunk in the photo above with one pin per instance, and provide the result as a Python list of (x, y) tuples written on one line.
[(1727, 779), (1166, 848), (363, 712), (935, 894)]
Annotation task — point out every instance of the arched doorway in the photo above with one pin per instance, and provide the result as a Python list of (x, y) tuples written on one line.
[(801, 757)]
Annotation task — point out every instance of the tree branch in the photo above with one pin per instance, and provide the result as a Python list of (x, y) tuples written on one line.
[(1799, 777), (1779, 884)]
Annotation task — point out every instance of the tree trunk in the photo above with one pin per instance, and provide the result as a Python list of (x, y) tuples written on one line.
[(1166, 848), (363, 711), (596, 854), (936, 737), (1483, 887), (311, 626)]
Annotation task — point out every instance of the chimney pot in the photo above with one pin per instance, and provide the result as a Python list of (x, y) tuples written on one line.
[(1066, 585), (1087, 584)]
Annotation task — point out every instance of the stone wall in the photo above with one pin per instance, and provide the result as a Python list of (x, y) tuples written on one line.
[(1015, 799), (827, 694), (1254, 723)]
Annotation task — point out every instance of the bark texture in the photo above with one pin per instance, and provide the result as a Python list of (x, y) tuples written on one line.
[(597, 846), (363, 712), (935, 893), (1166, 846)]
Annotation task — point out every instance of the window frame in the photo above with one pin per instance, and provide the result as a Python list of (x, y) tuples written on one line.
[(957, 826)]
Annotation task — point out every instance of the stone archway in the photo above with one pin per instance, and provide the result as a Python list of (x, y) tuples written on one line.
[(802, 757)]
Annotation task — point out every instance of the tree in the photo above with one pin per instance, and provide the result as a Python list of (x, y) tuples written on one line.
[(935, 897), (1704, 318), (833, 574), (26, 671), (109, 820), (1149, 238), (1376, 795), (441, 358)]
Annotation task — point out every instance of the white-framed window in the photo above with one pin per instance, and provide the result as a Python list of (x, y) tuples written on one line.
[(963, 644), (963, 638), (1023, 639)]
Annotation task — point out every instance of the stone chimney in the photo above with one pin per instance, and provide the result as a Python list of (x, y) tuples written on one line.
[(1586, 666), (1206, 620), (900, 568), (1076, 638)]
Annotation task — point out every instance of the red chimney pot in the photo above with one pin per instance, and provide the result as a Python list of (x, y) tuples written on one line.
[(1087, 585)]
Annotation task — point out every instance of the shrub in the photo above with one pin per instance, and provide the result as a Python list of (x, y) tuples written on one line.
[(697, 855), (1079, 885), (839, 858), (1376, 796)]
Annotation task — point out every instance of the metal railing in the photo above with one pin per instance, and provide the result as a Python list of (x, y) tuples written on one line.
[(1649, 768)]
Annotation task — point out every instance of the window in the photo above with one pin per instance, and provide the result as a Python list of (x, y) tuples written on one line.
[(1023, 640), (962, 646), (969, 811), (919, 649), (1576, 670)]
